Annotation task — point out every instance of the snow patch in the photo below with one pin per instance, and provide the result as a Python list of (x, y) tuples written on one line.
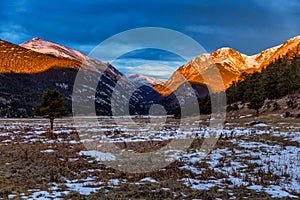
[(98, 155)]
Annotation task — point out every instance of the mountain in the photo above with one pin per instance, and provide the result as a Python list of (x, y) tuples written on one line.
[(27, 70), (142, 79), (60, 51), (230, 63), (51, 48), (26, 74), (139, 101), (17, 59), (289, 48)]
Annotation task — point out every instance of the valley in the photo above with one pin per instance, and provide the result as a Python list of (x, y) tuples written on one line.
[(90, 157), (149, 100), (38, 64)]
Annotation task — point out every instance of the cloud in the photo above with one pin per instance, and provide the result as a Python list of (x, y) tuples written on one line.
[(247, 26), (154, 68), (12, 33), (206, 29)]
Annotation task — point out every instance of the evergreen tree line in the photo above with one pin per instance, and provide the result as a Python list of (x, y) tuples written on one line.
[(280, 78)]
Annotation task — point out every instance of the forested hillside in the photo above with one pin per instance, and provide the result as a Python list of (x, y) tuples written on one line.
[(279, 79)]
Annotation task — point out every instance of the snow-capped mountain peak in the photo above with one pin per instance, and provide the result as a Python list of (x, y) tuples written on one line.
[(230, 63), (50, 48), (47, 47)]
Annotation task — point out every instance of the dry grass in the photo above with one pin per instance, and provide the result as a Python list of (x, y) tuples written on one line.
[(24, 167)]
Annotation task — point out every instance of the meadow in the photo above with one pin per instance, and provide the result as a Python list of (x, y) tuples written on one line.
[(253, 158)]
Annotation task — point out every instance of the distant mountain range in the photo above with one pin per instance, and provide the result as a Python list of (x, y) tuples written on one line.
[(26, 71), (144, 79)]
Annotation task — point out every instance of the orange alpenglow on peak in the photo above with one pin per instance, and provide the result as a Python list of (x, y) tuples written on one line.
[(37, 55), (17, 59), (51, 48), (230, 63)]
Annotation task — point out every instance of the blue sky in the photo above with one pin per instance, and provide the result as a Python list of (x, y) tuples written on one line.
[(247, 26)]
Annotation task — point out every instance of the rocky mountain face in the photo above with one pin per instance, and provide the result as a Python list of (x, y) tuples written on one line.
[(230, 63)]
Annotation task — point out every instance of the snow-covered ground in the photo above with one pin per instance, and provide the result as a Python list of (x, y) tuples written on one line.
[(261, 158)]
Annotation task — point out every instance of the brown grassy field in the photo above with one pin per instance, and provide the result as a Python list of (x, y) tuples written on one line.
[(248, 162)]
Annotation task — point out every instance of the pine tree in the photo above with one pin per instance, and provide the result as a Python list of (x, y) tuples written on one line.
[(255, 92), (295, 75), (256, 101), (270, 77), (52, 106), (278, 79)]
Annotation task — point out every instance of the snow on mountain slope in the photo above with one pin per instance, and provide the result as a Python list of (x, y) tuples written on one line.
[(17, 59), (264, 56), (229, 59), (50, 48), (144, 79), (230, 63), (289, 48), (47, 47)]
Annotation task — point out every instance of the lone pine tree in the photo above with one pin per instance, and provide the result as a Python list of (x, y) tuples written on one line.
[(52, 106)]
